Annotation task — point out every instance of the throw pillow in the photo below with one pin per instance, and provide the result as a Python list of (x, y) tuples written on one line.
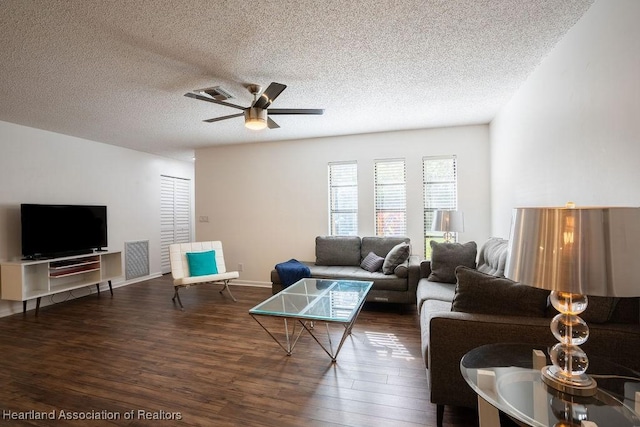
[(372, 262), (477, 292), (402, 270), (445, 257), (202, 263), (599, 309), (396, 256)]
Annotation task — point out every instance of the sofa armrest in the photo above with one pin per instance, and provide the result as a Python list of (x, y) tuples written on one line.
[(413, 276), (453, 334), (425, 268)]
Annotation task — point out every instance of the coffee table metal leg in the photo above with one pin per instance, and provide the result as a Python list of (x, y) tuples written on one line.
[(290, 344), (330, 352)]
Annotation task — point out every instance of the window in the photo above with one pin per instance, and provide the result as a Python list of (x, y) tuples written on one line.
[(343, 199), (391, 198), (440, 186)]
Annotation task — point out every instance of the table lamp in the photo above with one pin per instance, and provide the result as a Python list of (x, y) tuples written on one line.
[(448, 221), (574, 252)]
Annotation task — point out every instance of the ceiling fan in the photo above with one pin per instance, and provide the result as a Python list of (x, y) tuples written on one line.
[(255, 116)]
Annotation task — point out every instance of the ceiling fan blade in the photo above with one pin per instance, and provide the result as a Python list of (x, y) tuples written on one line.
[(272, 124), (215, 101), (217, 119), (269, 95), (316, 111)]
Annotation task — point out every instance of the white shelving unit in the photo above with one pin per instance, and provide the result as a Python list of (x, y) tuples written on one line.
[(33, 279)]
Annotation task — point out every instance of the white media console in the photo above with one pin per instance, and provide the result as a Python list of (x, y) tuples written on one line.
[(28, 279)]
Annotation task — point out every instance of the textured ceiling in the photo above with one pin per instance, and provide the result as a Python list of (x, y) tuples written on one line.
[(116, 71)]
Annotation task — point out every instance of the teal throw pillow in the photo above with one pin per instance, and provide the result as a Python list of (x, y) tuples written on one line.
[(202, 263)]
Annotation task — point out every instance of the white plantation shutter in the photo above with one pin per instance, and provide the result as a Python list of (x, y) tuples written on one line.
[(440, 185), (175, 216), (343, 199), (390, 197)]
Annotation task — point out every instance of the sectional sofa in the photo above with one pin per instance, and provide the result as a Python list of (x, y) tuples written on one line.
[(466, 302)]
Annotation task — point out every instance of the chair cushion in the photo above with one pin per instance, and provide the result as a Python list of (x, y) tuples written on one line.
[(445, 257), (202, 263)]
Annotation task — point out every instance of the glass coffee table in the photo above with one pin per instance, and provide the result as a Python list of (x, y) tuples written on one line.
[(508, 378), (314, 300)]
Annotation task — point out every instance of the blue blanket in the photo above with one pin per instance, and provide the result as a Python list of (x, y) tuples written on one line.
[(291, 271)]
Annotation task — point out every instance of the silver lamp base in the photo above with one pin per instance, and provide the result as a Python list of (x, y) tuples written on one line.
[(577, 385)]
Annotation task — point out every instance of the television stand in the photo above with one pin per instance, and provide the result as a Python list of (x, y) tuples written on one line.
[(33, 279)]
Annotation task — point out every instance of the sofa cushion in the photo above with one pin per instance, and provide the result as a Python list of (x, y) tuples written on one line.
[(338, 250), (445, 257), (380, 281), (477, 292), (396, 256), (372, 262), (380, 245), (492, 257), (434, 291)]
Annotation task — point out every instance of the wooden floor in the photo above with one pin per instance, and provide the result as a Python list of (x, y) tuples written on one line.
[(135, 356)]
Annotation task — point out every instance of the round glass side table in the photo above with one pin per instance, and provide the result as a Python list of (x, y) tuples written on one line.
[(503, 375)]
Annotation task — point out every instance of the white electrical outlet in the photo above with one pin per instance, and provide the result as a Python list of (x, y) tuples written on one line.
[(203, 218), (240, 267)]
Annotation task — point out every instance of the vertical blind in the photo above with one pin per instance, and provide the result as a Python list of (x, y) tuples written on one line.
[(175, 216), (343, 199), (390, 197), (440, 185)]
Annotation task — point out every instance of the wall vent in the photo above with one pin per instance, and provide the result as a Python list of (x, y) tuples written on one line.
[(216, 93), (136, 256)]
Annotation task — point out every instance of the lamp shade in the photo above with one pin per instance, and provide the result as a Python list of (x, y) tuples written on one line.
[(448, 221), (589, 251)]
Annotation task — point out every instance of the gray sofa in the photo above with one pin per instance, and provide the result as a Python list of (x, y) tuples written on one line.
[(341, 257), (483, 307)]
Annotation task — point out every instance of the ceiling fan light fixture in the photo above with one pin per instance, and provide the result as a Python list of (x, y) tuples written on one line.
[(255, 118)]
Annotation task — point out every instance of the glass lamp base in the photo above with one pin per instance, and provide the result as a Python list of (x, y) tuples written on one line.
[(577, 385)]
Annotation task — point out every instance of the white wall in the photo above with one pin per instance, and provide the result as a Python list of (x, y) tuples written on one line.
[(572, 131), (43, 167), (268, 201)]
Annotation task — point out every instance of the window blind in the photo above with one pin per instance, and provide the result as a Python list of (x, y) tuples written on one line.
[(343, 199), (440, 186), (390, 197)]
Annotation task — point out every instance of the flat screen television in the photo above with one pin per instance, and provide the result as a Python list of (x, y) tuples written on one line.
[(62, 230)]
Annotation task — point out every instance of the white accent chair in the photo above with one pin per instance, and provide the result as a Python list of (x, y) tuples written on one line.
[(180, 267)]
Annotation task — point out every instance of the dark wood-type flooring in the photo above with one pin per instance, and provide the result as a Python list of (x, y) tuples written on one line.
[(212, 364)]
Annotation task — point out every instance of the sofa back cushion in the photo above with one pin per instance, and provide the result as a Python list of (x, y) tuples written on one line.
[(477, 292), (445, 257), (492, 257), (627, 310), (338, 250), (380, 245)]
